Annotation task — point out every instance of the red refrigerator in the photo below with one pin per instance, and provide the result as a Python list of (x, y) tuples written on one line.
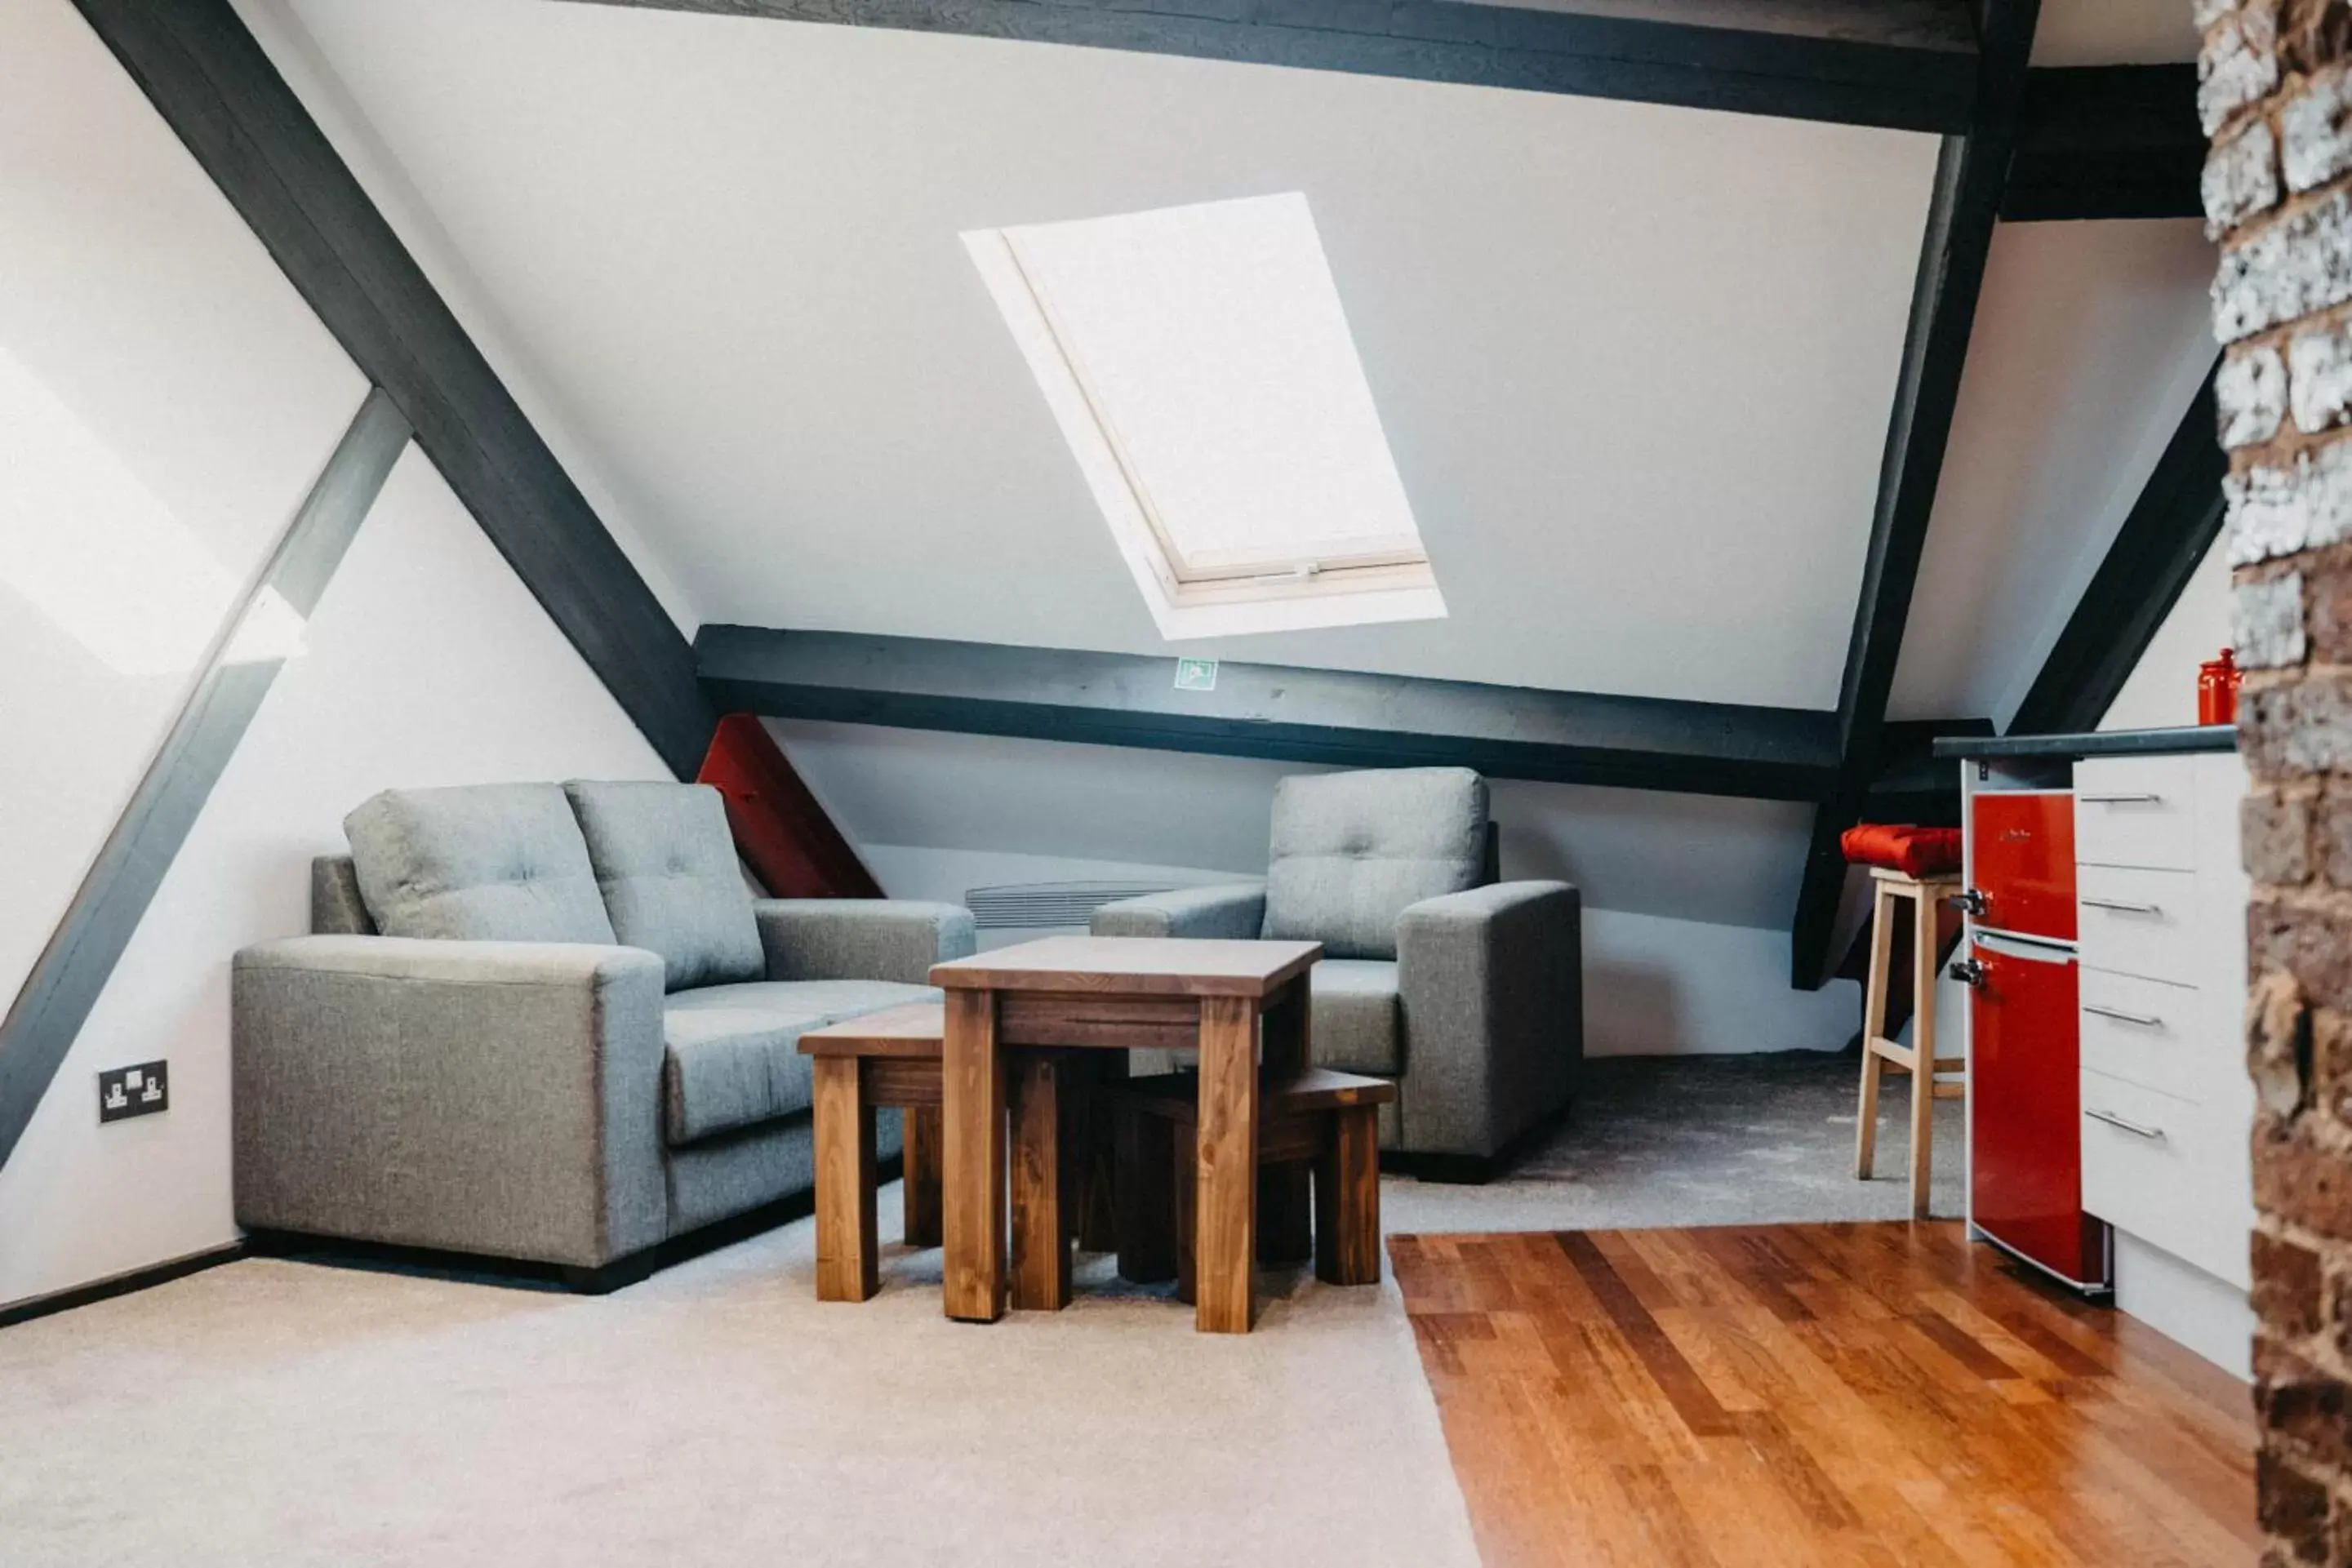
[(2025, 1138)]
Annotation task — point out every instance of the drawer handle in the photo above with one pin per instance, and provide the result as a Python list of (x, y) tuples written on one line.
[(2121, 800), (2123, 907), (2145, 1020), (2134, 1128)]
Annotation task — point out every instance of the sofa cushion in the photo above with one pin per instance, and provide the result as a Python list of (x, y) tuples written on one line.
[(732, 1053), (1358, 1027), (665, 863), (502, 862), (1351, 851)]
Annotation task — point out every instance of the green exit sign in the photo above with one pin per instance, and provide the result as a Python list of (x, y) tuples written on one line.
[(1196, 674)]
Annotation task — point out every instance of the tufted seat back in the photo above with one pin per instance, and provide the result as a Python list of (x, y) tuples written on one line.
[(665, 863), (477, 862), (1351, 851)]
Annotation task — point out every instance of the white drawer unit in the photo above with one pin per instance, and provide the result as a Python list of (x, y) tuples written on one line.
[(2137, 811), (2155, 1034), (2174, 1172), (2145, 923), (2166, 1107)]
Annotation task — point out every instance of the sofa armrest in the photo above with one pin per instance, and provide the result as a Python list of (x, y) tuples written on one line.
[(861, 938), (1492, 985), (1225, 909), (493, 1097)]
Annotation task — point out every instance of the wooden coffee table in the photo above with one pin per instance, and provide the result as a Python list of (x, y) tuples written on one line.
[(1113, 993)]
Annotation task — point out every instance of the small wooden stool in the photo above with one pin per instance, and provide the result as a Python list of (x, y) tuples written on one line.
[(886, 1059), (891, 1059), (1325, 1119), (1887, 888)]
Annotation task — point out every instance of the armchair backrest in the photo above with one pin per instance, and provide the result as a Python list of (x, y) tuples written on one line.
[(1351, 851)]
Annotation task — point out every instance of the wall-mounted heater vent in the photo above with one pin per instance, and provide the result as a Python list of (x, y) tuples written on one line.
[(1043, 906)]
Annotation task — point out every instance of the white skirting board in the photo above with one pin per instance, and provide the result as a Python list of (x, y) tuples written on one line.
[(2184, 1303)]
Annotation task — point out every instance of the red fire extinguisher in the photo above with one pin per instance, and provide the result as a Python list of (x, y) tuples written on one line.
[(2217, 689)]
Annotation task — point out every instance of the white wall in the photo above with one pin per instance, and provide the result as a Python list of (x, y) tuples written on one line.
[(427, 663), (1686, 897), (2161, 690), (165, 400)]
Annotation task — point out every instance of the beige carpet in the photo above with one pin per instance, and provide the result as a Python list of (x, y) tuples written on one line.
[(271, 1412)]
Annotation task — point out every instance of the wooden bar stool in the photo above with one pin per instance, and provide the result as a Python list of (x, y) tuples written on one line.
[(1888, 889), (1324, 1121)]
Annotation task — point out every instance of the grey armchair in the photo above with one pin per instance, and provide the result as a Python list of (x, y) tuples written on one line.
[(1467, 991), (548, 1024)]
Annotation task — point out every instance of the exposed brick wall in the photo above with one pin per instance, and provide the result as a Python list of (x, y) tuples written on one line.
[(2275, 95)]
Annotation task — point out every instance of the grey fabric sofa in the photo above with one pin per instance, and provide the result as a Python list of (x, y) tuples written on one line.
[(548, 1024), (1467, 991)]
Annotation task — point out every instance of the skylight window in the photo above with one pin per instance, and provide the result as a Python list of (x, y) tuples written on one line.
[(1199, 364)]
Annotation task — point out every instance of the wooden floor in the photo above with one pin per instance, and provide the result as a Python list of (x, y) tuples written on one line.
[(1834, 1394)]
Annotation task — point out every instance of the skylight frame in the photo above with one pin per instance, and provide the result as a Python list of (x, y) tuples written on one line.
[(1374, 577)]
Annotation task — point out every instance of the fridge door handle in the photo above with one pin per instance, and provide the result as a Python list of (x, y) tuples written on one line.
[(2145, 1020), (2123, 906), (2125, 1123), (2136, 799)]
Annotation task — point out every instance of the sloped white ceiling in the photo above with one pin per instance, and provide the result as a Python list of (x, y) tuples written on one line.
[(2090, 339), (1634, 361), (2115, 32)]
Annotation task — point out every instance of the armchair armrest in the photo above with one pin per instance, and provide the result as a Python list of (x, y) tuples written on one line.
[(861, 938), (493, 1097), (1491, 984), (1225, 909)]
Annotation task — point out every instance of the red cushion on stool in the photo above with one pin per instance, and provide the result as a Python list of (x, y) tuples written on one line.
[(1898, 846)]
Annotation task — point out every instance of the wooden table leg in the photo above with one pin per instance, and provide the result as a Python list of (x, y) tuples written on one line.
[(847, 1268), (920, 1186), (1347, 1200), (1183, 1151), (1283, 1209), (1225, 1245), (1041, 1233), (1147, 1207), (1287, 1036), (1096, 1199), (972, 1141), (1923, 1049), (1288, 1030), (1873, 1024)]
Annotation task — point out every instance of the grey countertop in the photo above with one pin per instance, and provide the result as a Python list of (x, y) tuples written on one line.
[(2099, 743)]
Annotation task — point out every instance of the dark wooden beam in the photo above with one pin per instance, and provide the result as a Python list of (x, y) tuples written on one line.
[(1971, 172), (1911, 784), (217, 91), (2166, 535), (1908, 64), (1274, 711), (2106, 142)]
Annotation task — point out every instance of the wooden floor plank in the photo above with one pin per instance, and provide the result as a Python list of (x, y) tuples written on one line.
[(1853, 1395)]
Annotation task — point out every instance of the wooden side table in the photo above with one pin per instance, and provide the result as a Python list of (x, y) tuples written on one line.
[(1112, 993)]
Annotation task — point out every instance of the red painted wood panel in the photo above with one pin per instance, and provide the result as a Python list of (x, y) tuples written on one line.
[(780, 830)]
